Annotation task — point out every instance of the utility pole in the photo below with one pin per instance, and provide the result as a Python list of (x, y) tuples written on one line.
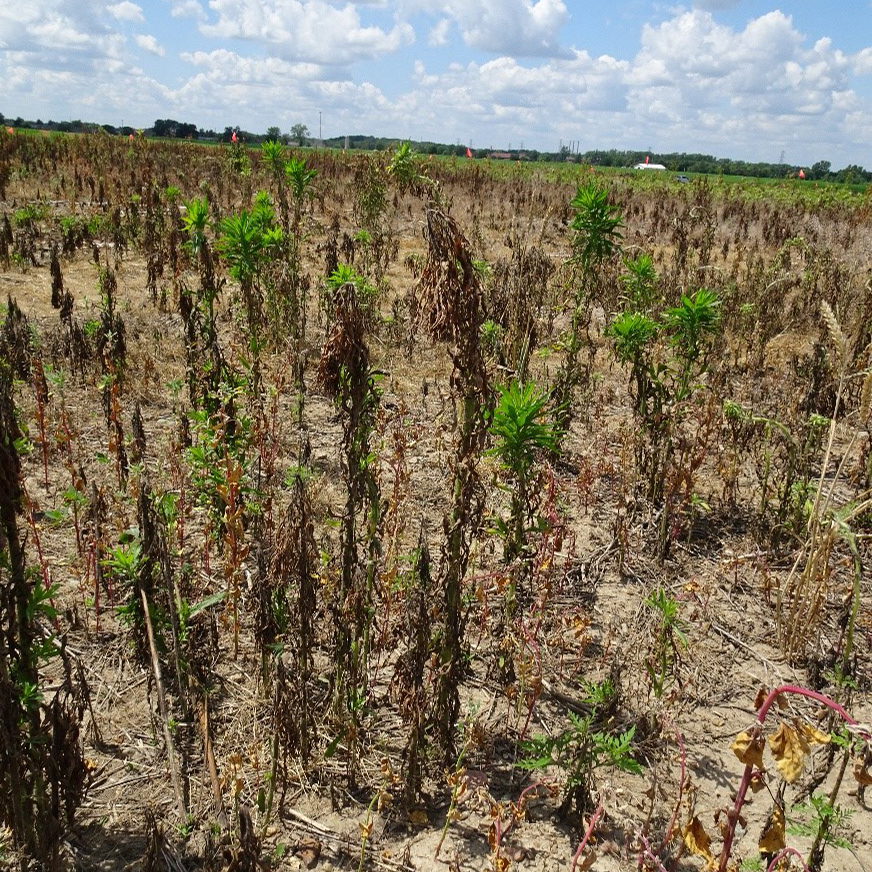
[(319, 125)]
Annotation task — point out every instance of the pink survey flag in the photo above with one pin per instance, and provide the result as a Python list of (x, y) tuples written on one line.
[(646, 158), (234, 138), (802, 174), (468, 151)]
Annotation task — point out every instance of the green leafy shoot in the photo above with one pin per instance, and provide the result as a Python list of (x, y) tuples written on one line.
[(693, 322), (519, 429), (597, 225), (631, 332)]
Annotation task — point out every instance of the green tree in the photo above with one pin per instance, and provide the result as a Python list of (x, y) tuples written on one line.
[(300, 133), (820, 170)]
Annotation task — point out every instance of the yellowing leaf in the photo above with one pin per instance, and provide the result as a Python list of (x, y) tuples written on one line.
[(812, 734), (749, 749), (772, 837), (789, 748), (697, 840)]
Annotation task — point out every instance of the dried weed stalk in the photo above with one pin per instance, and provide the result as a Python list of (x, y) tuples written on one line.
[(449, 309)]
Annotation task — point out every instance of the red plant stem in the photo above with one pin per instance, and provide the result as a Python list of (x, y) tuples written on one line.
[(43, 565), (668, 835), (647, 852), (803, 691), (518, 811), (181, 522), (40, 417), (537, 656), (786, 852), (68, 436), (80, 547), (530, 789), (92, 557), (588, 833), (733, 815)]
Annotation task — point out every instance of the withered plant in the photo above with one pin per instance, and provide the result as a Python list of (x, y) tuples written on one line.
[(287, 621), (43, 773), (801, 604), (345, 372), (414, 701), (449, 305), (516, 293), (375, 241)]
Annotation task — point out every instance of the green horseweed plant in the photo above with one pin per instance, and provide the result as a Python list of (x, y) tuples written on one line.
[(248, 242), (520, 435), (668, 359), (596, 239)]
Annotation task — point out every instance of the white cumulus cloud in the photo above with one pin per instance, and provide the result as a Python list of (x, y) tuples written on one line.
[(126, 11), (188, 9), (149, 43), (522, 28), (307, 30)]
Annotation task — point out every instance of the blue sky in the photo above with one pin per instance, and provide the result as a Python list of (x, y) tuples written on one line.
[(735, 78)]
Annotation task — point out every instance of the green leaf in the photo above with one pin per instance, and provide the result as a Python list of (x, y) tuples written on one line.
[(207, 602)]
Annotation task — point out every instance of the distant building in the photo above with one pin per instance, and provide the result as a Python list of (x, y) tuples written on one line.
[(500, 155), (649, 166)]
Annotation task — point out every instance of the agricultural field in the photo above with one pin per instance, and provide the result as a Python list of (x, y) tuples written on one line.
[(373, 512)]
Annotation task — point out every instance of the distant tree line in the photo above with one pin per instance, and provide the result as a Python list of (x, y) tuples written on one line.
[(706, 163), (299, 134)]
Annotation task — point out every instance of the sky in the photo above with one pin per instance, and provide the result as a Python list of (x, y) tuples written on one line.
[(745, 79)]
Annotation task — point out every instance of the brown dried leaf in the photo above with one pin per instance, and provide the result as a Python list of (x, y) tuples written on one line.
[(309, 851), (772, 838), (418, 816), (789, 748), (758, 781), (587, 862), (697, 840), (749, 749), (760, 698), (861, 773)]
